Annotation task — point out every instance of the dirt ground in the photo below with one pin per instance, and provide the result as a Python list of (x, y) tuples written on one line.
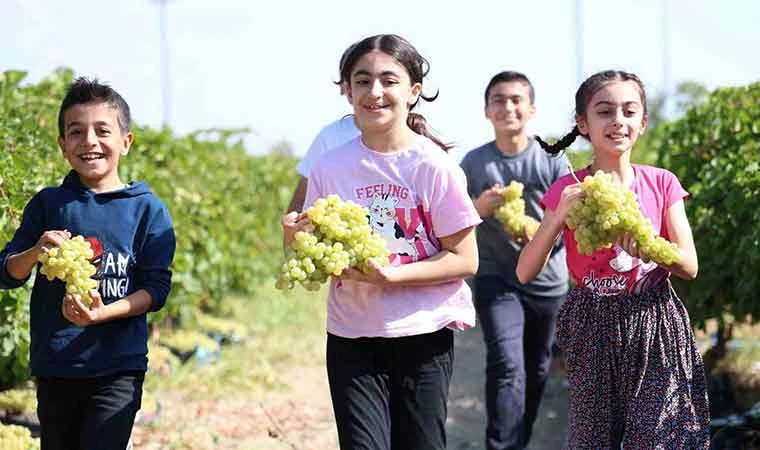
[(299, 417)]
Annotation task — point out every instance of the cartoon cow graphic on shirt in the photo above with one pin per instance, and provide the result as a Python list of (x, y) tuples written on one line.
[(382, 218)]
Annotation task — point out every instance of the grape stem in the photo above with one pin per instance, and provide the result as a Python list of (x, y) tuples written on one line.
[(572, 172)]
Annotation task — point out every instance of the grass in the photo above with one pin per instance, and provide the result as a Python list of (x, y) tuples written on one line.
[(285, 329)]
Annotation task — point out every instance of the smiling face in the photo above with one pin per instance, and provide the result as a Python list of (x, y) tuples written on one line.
[(381, 92), (615, 118), (93, 142), (509, 107)]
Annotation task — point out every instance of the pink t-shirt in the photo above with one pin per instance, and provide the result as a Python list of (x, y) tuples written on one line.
[(613, 271), (413, 196)]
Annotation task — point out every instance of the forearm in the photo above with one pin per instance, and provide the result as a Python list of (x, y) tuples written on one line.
[(443, 267), (536, 252), (299, 195), (20, 265), (686, 267), (134, 304)]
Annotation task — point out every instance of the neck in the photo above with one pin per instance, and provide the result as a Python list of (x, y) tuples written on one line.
[(511, 144), (105, 184), (619, 167), (390, 140)]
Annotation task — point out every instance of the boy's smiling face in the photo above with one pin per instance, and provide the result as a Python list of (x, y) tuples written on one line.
[(93, 142)]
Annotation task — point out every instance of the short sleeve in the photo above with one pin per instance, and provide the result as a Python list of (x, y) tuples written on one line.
[(451, 207), (316, 149), (673, 189), (313, 190)]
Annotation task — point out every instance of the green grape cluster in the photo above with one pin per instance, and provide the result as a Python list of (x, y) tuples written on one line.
[(342, 238), (608, 210), (17, 401), (14, 437), (70, 263), (512, 212)]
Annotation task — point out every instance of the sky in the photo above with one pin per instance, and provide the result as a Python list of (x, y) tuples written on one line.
[(270, 65)]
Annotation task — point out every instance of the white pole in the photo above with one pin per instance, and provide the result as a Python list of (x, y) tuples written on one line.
[(164, 52), (579, 44)]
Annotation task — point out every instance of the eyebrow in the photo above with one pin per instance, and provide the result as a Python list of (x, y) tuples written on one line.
[(383, 74), (78, 124), (608, 103)]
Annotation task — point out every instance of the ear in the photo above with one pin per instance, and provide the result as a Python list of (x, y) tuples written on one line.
[(129, 138), (415, 93), (60, 144), (582, 125), (531, 110), (346, 88), (644, 123)]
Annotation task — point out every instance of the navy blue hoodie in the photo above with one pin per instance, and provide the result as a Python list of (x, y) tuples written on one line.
[(131, 233)]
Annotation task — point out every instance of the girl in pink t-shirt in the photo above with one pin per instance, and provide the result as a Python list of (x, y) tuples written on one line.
[(390, 342), (636, 377)]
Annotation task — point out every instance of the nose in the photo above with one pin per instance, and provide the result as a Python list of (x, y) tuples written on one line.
[(377, 88), (618, 117), (91, 138)]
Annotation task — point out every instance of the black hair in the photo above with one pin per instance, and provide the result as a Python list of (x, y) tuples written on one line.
[(415, 64), (583, 96), (83, 91), (509, 76)]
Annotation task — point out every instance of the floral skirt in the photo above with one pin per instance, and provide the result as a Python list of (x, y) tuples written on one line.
[(636, 377)]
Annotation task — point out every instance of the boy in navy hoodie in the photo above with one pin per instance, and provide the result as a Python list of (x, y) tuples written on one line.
[(90, 362)]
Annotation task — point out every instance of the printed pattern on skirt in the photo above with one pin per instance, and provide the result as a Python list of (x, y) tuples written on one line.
[(636, 377)]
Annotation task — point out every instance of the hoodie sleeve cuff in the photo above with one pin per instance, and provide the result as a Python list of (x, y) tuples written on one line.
[(6, 280)]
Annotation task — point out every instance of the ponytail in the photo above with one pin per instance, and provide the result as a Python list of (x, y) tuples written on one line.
[(419, 125), (557, 147)]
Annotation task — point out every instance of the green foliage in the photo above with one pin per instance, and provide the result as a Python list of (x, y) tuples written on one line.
[(715, 152), (224, 202)]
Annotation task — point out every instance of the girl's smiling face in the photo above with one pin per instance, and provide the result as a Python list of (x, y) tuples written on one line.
[(381, 92), (615, 117)]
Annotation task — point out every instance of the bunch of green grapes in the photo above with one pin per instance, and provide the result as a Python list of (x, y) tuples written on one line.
[(342, 238), (70, 263), (512, 212), (14, 437), (606, 212), (16, 401)]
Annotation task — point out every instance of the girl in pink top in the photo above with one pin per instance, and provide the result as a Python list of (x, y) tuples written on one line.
[(636, 378), (390, 342)]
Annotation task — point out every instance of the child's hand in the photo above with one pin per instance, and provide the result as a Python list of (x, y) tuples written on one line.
[(376, 274), (77, 313), (629, 244), (50, 239), (489, 200), (526, 235), (294, 222), (571, 195)]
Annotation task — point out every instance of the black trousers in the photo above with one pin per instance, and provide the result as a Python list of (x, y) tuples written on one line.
[(90, 413), (391, 393), (518, 332)]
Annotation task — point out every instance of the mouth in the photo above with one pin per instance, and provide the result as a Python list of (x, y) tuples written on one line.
[(374, 108), (617, 136), (91, 156)]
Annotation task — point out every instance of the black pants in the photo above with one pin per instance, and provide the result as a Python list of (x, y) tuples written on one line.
[(518, 332), (90, 413), (391, 393)]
